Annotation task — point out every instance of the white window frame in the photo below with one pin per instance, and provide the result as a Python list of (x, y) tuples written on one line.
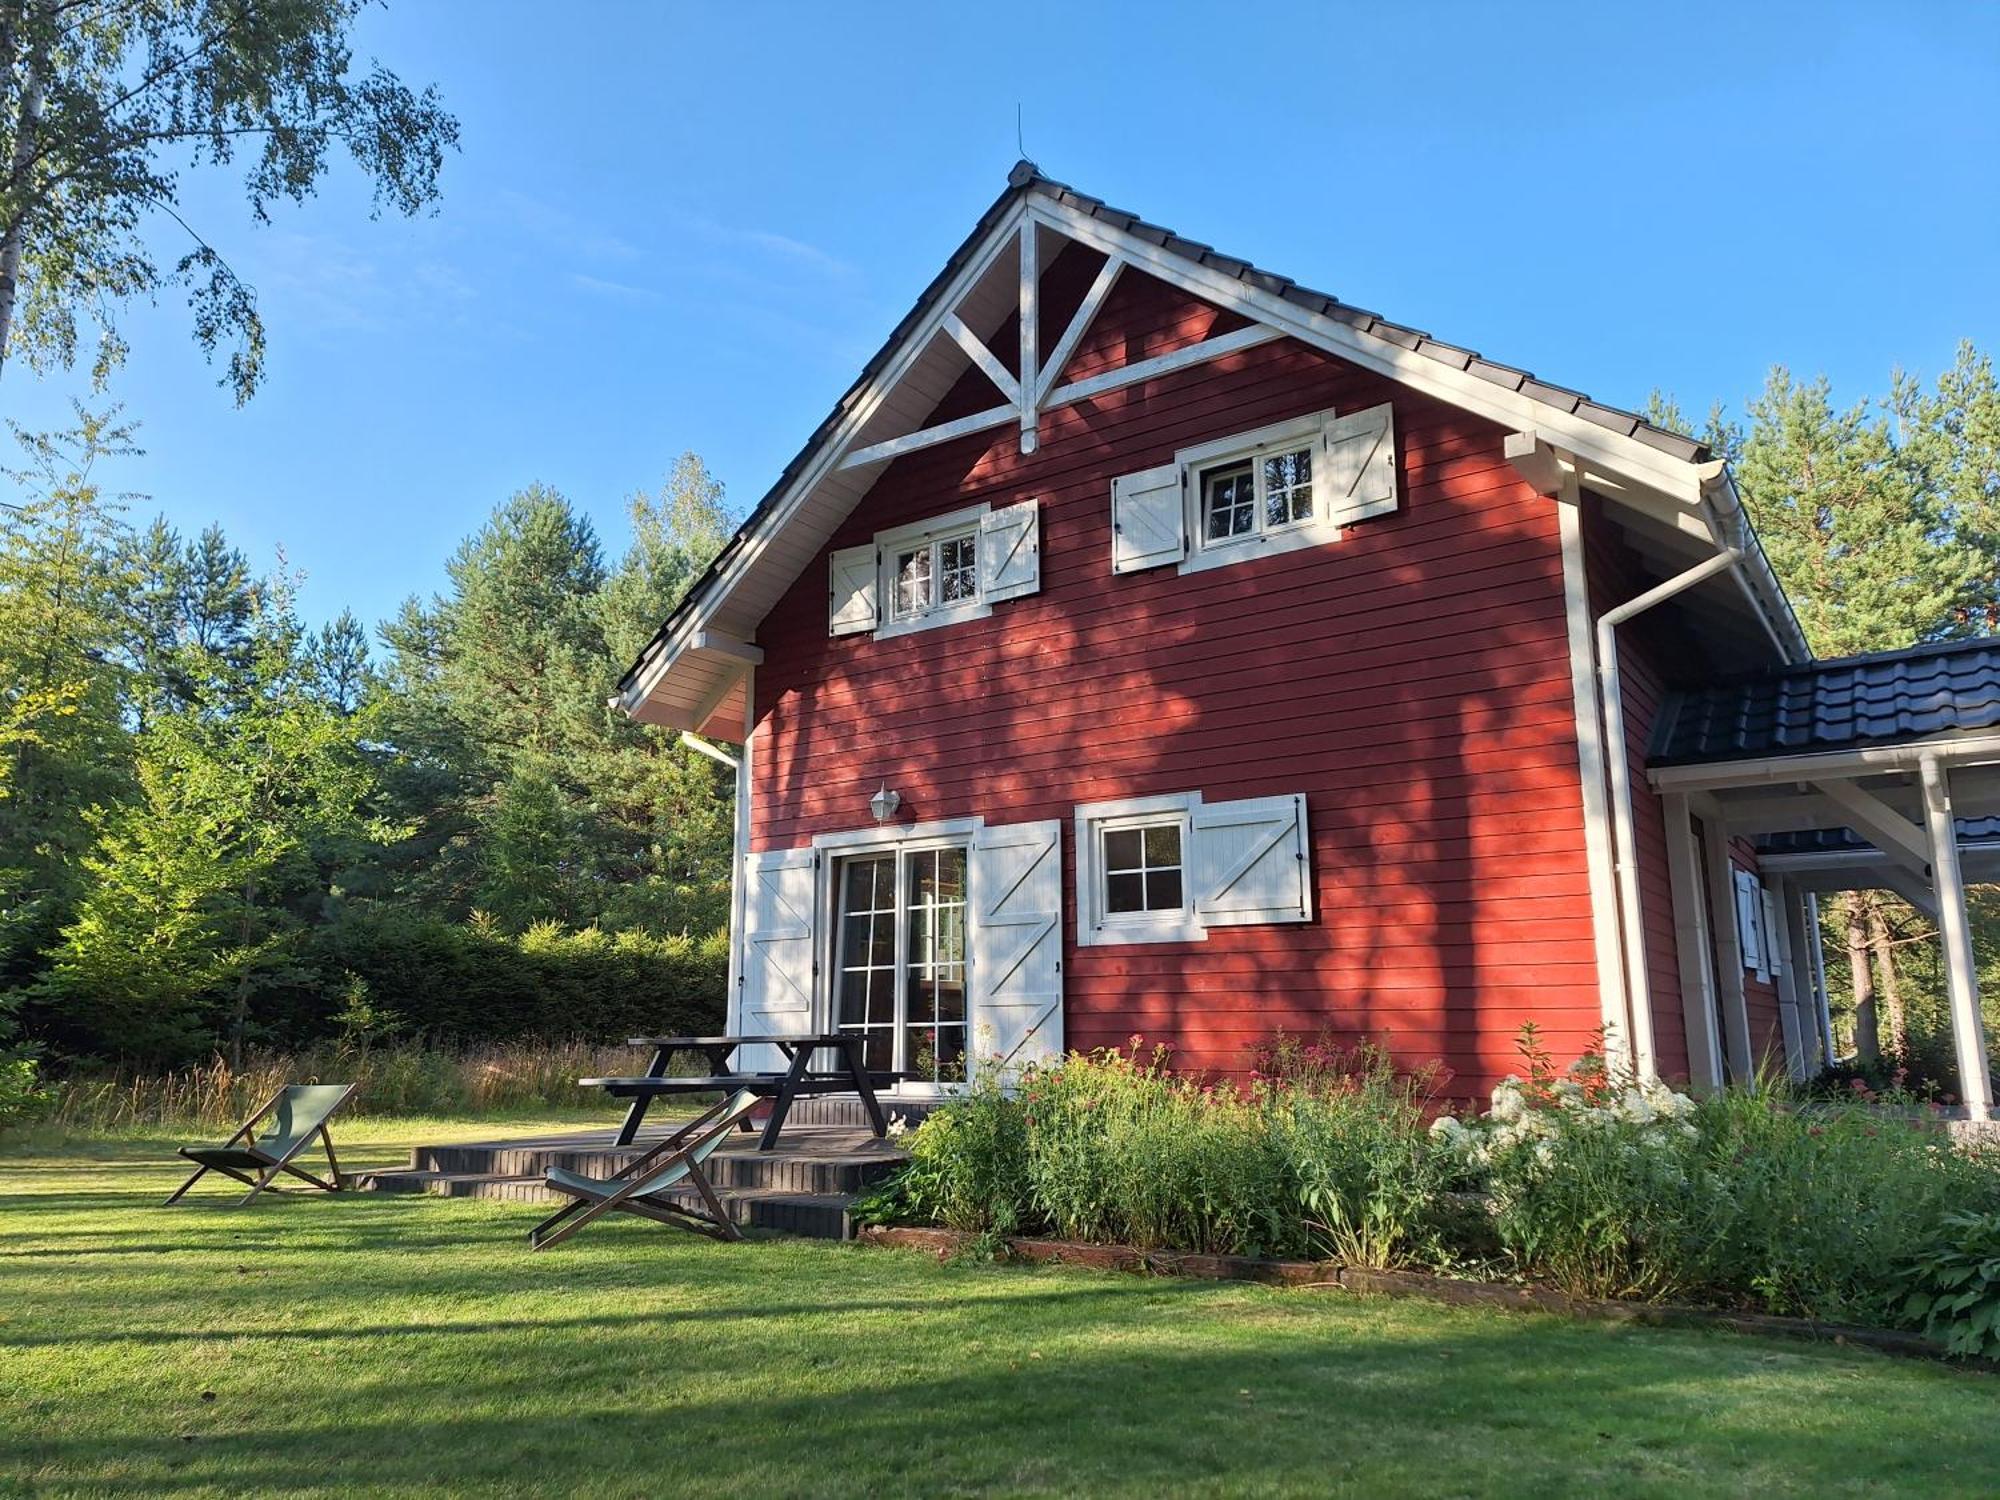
[(933, 533), (1097, 925), (896, 841), (1197, 463)]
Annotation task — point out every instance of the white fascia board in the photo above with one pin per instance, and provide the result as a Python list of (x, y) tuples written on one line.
[(832, 450), (1868, 760)]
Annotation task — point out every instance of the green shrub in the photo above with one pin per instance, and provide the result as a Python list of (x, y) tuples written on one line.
[(1369, 1181), (1952, 1286), (967, 1168), (22, 1097)]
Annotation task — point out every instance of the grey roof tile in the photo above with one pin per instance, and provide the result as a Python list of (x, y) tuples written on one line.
[(1891, 697)]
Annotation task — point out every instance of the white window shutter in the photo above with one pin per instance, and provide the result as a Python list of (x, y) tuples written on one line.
[(1148, 521), (1010, 551), (1360, 464), (1767, 908), (854, 591), (1250, 862), (1749, 920), (776, 978), (1016, 894)]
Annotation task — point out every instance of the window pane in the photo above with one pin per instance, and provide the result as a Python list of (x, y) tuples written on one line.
[(1229, 501), (958, 569), (1163, 890), (1288, 488), (913, 581), (1122, 849), (1163, 844), (1124, 893)]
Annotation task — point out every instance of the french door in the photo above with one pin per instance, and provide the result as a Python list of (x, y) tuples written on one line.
[(899, 959)]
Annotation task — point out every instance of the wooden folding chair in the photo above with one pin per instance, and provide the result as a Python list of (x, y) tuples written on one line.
[(644, 1187), (296, 1114)]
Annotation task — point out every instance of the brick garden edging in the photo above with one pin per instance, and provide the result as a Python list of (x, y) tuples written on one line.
[(1326, 1275)]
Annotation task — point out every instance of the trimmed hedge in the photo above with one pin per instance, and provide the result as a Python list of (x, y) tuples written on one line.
[(473, 982)]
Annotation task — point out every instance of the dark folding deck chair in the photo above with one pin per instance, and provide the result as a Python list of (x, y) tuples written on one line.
[(646, 1187), (293, 1116)]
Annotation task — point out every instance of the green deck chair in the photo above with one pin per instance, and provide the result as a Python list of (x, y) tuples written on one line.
[(645, 1186), (296, 1113)]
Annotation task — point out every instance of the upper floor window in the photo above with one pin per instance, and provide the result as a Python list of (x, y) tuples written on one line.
[(934, 572), (1266, 493), (1293, 484), (940, 572)]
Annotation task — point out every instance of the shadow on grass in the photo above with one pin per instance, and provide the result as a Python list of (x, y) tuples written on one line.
[(1060, 1402)]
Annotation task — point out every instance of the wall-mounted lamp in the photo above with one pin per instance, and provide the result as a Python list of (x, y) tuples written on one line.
[(884, 803)]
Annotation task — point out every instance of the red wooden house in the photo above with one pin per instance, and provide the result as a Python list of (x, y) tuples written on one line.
[(1147, 644)]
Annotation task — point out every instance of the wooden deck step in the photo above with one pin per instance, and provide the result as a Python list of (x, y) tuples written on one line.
[(803, 1186)]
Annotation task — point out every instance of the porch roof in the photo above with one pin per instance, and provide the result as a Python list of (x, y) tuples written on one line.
[(1886, 698)]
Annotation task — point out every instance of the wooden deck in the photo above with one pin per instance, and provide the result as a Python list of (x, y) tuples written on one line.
[(803, 1186)]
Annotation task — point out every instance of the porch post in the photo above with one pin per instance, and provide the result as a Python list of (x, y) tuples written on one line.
[(1728, 946), (1691, 945), (1791, 982), (1802, 966), (1822, 1004), (1968, 1033)]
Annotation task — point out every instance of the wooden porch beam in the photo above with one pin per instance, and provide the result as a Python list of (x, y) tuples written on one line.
[(1692, 944), (929, 437), (1086, 314), (988, 362), (1880, 824), (727, 645), (1163, 364)]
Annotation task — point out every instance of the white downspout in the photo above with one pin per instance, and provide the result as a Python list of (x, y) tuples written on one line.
[(1625, 866)]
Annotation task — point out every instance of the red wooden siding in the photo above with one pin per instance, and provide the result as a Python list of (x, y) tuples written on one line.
[(1411, 680)]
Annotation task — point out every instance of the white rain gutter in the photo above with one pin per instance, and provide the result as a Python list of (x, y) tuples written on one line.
[(1625, 863)]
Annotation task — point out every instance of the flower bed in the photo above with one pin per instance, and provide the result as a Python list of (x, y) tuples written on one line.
[(1747, 1202)]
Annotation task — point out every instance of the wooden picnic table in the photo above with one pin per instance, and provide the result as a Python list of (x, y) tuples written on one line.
[(797, 1078)]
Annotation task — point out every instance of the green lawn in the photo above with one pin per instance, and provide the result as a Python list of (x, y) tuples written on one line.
[(409, 1346)]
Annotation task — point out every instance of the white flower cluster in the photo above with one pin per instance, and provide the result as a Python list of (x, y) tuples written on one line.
[(1649, 1110)]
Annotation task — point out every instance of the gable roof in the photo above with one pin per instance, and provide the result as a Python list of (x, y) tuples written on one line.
[(1630, 459)]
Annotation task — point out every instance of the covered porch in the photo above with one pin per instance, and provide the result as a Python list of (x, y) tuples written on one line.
[(1867, 773)]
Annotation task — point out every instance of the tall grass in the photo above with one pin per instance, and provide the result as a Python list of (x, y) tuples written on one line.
[(405, 1078)]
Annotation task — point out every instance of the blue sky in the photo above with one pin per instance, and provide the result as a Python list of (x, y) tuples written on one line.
[(681, 227)]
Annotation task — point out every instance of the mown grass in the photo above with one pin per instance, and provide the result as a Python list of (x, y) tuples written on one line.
[(402, 1346)]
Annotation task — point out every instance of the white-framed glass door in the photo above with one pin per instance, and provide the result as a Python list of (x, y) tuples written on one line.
[(900, 959)]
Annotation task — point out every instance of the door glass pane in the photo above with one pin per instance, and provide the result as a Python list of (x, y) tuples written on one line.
[(865, 966), (934, 1040)]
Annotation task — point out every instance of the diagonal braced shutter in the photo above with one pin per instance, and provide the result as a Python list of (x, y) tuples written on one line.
[(1360, 464), (853, 591), (1148, 525), (1010, 552), (1016, 893), (776, 979), (1250, 862)]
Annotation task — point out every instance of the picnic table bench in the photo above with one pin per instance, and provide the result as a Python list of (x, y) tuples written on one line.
[(797, 1079)]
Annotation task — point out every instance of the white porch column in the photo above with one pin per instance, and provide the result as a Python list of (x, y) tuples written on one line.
[(1802, 965), (1728, 947), (1823, 1006), (1792, 1013), (1968, 1032), (1692, 946)]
